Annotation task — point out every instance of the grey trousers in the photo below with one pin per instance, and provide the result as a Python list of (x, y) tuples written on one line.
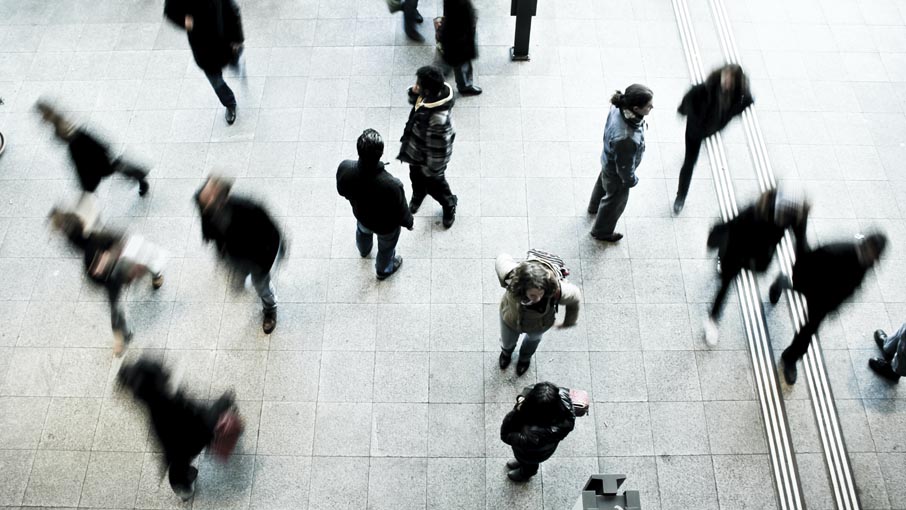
[(895, 349), (608, 201), (463, 74), (265, 288), (509, 337)]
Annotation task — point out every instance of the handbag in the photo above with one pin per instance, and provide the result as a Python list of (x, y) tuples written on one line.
[(580, 402), (226, 434), (438, 30)]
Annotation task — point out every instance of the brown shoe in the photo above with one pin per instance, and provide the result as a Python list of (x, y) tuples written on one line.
[(157, 281)]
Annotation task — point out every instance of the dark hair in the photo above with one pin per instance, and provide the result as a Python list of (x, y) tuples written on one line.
[(370, 146), (431, 80), (542, 405), (740, 81), (635, 95), (531, 275)]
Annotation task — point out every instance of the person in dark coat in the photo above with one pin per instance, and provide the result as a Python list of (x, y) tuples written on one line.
[(708, 108), (112, 260), (826, 277), (457, 43), (245, 236), (427, 141), (378, 202), (411, 16), (893, 350), (90, 156), (183, 428), (534, 428), (214, 28), (748, 241), (624, 146)]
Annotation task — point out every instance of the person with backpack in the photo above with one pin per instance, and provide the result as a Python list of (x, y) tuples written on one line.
[(535, 288)]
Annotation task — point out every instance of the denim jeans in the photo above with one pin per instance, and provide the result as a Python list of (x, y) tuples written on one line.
[(265, 288), (895, 349), (509, 337), (364, 240)]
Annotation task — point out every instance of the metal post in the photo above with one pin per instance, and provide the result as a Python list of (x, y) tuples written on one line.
[(600, 493), (523, 10)]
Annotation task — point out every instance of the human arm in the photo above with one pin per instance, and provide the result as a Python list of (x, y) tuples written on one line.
[(504, 265), (570, 297), (439, 141), (406, 219), (232, 23), (625, 151)]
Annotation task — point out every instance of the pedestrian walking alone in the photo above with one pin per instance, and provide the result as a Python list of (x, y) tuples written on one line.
[(246, 238), (826, 277), (748, 242), (214, 29), (893, 349), (411, 17), (534, 291), (378, 202), (427, 141), (708, 108), (624, 146), (541, 418), (456, 43)]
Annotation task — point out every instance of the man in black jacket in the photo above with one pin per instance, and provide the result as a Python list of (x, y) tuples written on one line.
[(826, 277), (541, 418), (456, 40), (214, 28), (245, 236), (378, 202)]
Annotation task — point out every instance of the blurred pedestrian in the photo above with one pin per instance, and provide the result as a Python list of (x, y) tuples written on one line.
[(214, 29), (748, 241), (826, 277), (112, 260), (541, 418), (456, 42), (378, 202), (183, 427), (708, 108), (245, 236), (624, 146), (411, 17), (893, 348), (427, 141), (90, 156), (534, 291)]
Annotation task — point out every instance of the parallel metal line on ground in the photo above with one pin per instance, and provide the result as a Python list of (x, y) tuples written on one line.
[(783, 463), (832, 440)]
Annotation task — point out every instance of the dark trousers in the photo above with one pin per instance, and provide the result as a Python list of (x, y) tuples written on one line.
[(181, 472), (364, 241), (434, 184), (224, 93), (608, 200), (464, 75), (817, 311), (728, 273), (410, 8), (694, 139), (129, 170)]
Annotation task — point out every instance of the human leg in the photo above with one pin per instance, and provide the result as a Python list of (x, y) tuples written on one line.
[(224, 93), (182, 477), (419, 187), (465, 82), (265, 288), (508, 339), (133, 171), (364, 239), (384, 261), (616, 196), (529, 345), (797, 349), (693, 148), (597, 193)]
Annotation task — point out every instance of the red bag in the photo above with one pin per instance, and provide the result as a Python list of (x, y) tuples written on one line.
[(226, 434), (580, 402)]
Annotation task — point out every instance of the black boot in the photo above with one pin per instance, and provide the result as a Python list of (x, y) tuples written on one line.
[(790, 373), (269, 322), (415, 203), (517, 475), (418, 17), (880, 340), (776, 290), (522, 366), (883, 368), (450, 213), (143, 187), (678, 204), (504, 359), (230, 115)]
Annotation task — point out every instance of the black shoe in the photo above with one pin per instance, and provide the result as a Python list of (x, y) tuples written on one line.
[(419, 18), (450, 213), (522, 366), (775, 292), (504, 359), (230, 115), (883, 369), (413, 34), (516, 475), (269, 322), (414, 204), (678, 204), (612, 238), (790, 373), (512, 464), (471, 90), (397, 263), (143, 187), (592, 210), (880, 340)]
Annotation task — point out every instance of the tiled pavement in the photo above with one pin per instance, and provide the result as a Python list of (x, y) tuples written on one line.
[(387, 395)]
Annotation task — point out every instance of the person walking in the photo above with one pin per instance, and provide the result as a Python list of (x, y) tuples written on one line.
[(748, 241), (182, 427), (541, 418), (214, 29), (529, 306), (427, 141), (245, 236), (893, 349), (112, 260), (624, 146), (708, 108), (457, 46), (826, 277), (378, 202), (411, 17), (89, 155)]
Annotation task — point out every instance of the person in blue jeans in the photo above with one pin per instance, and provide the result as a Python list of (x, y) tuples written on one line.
[(378, 202), (893, 349)]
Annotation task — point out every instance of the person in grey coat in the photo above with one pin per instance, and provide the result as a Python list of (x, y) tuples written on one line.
[(624, 146), (890, 366)]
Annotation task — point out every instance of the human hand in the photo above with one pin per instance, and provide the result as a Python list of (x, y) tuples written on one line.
[(189, 22)]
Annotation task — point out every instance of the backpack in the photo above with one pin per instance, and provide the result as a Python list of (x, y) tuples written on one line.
[(555, 261)]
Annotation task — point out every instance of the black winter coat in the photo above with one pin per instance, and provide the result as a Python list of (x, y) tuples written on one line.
[(91, 159), (749, 240), (216, 27), (91, 247), (828, 275), (378, 199), (244, 233), (533, 443), (457, 37), (705, 113)]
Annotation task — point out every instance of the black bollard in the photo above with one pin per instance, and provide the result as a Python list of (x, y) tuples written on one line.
[(600, 493), (523, 10)]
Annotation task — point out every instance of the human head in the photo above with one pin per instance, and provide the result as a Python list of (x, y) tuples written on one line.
[(146, 378), (63, 128), (871, 247), (213, 194), (732, 78), (782, 208), (430, 81), (531, 282), (66, 222), (542, 405), (638, 99), (370, 146)]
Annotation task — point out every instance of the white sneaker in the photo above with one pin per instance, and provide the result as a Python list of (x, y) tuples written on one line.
[(712, 334)]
